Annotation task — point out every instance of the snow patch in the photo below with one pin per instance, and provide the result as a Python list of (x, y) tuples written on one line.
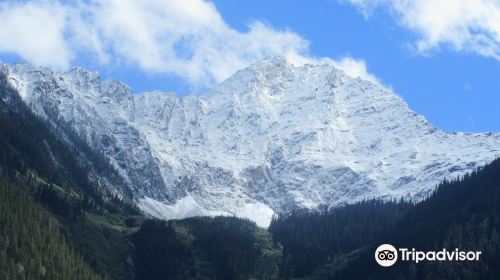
[(187, 207)]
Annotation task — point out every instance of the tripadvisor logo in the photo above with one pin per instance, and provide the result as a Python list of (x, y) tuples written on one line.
[(387, 255)]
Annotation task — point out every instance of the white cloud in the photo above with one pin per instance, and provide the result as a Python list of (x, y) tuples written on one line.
[(35, 32), (463, 25), (187, 38), (355, 68)]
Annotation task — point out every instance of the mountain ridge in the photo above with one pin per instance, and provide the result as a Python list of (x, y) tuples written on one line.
[(271, 138)]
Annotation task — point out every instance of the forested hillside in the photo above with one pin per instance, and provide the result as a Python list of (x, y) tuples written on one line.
[(312, 239), (31, 243), (339, 244), (205, 248), (464, 214)]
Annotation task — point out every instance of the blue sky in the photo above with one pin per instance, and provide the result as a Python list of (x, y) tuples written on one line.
[(446, 67), (456, 91)]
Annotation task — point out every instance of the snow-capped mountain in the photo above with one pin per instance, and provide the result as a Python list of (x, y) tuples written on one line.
[(271, 138)]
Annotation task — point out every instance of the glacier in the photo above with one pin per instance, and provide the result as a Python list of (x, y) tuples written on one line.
[(271, 138)]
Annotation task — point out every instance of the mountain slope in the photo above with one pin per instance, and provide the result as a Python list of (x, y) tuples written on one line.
[(271, 138), (31, 244), (340, 243), (75, 187), (57, 222), (205, 248), (462, 213)]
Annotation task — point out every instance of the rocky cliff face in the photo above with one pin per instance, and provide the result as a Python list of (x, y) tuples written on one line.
[(271, 138)]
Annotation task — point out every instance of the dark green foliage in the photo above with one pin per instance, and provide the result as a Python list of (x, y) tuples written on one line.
[(101, 242), (312, 239), (339, 244), (132, 221), (203, 248), (31, 244), (104, 248), (160, 254), (464, 214), (230, 244)]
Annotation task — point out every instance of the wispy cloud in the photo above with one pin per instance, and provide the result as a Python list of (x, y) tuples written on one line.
[(463, 25), (35, 31), (355, 68), (187, 38)]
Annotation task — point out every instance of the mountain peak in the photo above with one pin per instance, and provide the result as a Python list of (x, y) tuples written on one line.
[(83, 72), (269, 67), (276, 61), (271, 138)]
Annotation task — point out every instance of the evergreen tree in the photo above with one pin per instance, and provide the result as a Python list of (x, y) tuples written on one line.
[(31, 244)]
